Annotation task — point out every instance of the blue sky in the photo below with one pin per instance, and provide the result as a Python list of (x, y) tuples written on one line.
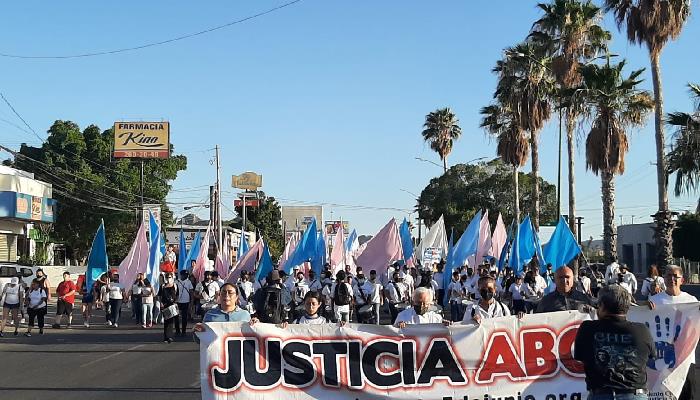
[(325, 98)]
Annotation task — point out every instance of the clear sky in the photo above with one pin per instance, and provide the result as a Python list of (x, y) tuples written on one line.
[(325, 98)]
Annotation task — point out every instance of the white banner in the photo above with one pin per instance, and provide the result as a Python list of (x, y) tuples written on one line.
[(507, 358)]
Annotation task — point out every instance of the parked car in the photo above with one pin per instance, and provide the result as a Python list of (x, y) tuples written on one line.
[(11, 270)]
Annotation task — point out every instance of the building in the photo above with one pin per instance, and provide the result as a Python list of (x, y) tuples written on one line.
[(635, 246), (26, 208), (297, 218), (191, 224)]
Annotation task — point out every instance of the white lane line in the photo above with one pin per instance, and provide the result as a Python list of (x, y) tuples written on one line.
[(111, 355)]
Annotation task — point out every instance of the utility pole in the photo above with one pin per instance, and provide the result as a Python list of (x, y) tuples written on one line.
[(578, 228), (219, 230), (141, 191)]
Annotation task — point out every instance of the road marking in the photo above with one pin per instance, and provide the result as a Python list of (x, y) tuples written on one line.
[(111, 355)]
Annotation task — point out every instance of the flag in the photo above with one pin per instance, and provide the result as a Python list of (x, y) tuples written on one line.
[(562, 246), (154, 254), (242, 246), (483, 246), (523, 247), (435, 238), (203, 257), (226, 255), (98, 263), (338, 258), (382, 249), (466, 245), (136, 261), (406, 242), (194, 251), (247, 263), (538, 250), (352, 243), (306, 248), (447, 272), (506, 247), (265, 266), (499, 238), (182, 256), (320, 257), (289, 250)]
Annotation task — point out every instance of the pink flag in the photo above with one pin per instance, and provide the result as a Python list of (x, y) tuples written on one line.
[(382, 249), (137, 259), (498, 240), (484, 244), (337, 259), (202, 257), (289, 250), (226, 255), (247, 263)]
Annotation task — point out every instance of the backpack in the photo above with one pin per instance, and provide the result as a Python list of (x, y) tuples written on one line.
[(271, 309), (342, 296)]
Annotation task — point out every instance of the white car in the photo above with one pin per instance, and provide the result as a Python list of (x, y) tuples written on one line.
[(11, 270)]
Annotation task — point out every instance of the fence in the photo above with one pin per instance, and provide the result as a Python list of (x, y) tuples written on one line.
[(691, 270)]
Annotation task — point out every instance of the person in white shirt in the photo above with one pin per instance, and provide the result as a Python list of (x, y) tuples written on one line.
[(374, 293), (408, 280), (216, 278), (36, 302), (420, 312), (312, 308), (438, 277), (207, 292), (147, 295), (341, 298), (170, 255), (185, 292), (291, 280), (487, 306), (584, 282), (627, 279), (653, 283), (12, 297), (298, 292), (314, 283), (397, 295), (454, 293), (134, 295), (246, 290), (611, 272), (673, 293), (360, 298), (517, 292), (116, 297), (540, 283)]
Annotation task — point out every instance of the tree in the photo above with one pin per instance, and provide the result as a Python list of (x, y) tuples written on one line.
[(571, 30), (467, 188), (685, 237), (266, 220), (440, 129), (617, 105), (684, 157), (525, 86), (89, 186), (653, 23), (512, 145)]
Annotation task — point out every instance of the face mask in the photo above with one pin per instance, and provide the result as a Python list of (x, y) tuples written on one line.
[(470, 272), (421, 309), (486, 294)]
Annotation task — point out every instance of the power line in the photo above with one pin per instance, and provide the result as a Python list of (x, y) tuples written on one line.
[(20, 117), (152, 44)]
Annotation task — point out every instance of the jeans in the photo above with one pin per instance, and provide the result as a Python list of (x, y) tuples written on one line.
[(456, 313), (184, 309), (115, 307), (147, 313), (621, 396), (136, 308)]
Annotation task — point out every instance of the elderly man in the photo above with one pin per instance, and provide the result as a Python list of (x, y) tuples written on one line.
[(564, 297), (614, 351), (421, 312), (487, 306)]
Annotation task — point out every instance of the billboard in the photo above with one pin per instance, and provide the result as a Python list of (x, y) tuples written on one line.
[(141, 139), (297, 218), (333, 226), (247, 181)]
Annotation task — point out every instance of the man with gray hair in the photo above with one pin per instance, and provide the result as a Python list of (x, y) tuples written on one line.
[(420, 312), (614, 351)]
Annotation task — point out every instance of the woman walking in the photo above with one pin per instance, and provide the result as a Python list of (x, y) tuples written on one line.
[(36, 303), (11, 297), (116, 297), (147, 304), (168, 297), (135, 296)]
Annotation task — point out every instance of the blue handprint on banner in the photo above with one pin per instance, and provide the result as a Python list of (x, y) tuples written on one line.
[(664, 343)]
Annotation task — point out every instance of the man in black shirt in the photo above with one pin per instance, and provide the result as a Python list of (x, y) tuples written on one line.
[(614, 352), (565, 297)]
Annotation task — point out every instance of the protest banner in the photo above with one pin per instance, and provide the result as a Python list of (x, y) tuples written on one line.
[(503, 358)]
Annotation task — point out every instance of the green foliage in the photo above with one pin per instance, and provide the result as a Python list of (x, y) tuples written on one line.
[(266, 220), (89, 186), (466, 188), (685, 237)]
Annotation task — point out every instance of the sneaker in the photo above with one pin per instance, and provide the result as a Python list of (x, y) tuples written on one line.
[(21, 321), (28, 334), (170, 340), (144, 326), (116, 325), (108, 323)]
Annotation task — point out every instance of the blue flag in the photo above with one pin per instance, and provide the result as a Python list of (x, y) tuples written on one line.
[(265, 266), (194, 250), (154, 253), (320, 257), (351, 239), (523, 247), (562, 246), (182, 254), (97, 260), (242, 247), (406, 241), (466, 245), (506, 247), (538, 250), (306, 248)]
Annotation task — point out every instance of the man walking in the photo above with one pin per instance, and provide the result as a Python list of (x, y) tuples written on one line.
[(66, 298), (564, 297)]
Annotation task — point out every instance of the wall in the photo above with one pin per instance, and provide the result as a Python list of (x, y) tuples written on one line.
[(635, 246)]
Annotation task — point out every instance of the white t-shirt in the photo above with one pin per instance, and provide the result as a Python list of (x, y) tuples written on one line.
[(376, 292), (209, 294), (304, 320), (246, 292), (13, 293), (360, 296), (410, 317), (136, 289), (647, 282), (516, 289), (397, 296), (494, 310), (611, 272), (36, 298), (115, 291), (170, 256), (438, 279), (455, 291), (147, 295), (665, 298), (629, 282), (183, 290)]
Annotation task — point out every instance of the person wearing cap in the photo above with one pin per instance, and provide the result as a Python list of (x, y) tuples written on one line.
[(11, 298), (627, 279)]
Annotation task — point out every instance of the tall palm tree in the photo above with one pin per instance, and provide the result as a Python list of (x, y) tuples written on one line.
[(617, 106), (512, 143), (571, 30), (684, 157), (525, 86), (440, 129), (653, 23)]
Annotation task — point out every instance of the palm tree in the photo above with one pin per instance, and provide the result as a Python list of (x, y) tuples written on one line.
[(571, 30), (441, 128), (654, 23), (684, 157), (512, 144), (617, 105), (525, 86)]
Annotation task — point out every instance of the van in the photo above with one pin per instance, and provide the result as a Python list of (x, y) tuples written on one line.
[(10, 270)]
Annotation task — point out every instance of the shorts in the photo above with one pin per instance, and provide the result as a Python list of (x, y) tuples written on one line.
[(11, 306), (64, 308), (88, 299)]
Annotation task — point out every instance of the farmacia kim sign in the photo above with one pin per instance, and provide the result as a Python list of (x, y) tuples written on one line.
[(504, 358)]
